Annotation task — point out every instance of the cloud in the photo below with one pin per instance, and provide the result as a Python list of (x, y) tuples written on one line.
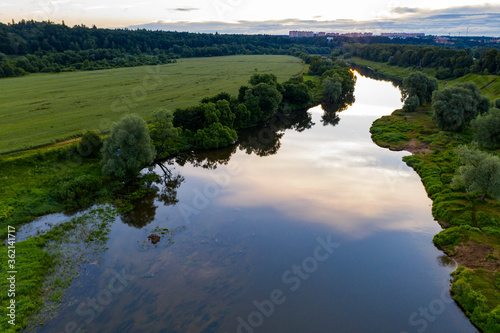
[(405, 10), (479, 20), (185, 9)]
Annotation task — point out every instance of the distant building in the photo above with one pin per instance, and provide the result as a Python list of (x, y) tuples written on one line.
[(443, 40), (402, 35), (300, 34), (357, 34)]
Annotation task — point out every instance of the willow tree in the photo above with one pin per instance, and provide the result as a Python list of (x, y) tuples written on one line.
[(487, 128), (419, 85), (456, 106), (480, 172), (128, 148)]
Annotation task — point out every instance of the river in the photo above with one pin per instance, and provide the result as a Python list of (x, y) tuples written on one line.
[(304, 226)]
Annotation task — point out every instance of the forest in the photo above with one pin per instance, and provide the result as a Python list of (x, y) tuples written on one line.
[(33, 47)]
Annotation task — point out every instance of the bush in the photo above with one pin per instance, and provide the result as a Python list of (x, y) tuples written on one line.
[(78, 191), (90, 145)]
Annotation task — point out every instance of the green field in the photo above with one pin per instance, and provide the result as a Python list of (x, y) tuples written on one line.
[(488, 84), (43, 108)]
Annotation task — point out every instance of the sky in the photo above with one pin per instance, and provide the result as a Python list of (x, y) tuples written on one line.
[(267, 16)]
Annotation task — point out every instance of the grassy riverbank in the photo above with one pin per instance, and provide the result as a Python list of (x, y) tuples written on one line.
[(472, 227)]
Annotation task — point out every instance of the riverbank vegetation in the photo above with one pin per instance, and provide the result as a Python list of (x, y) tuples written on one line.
[(446, 62), (464, 183)]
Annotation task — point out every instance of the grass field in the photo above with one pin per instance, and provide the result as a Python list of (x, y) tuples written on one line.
[(40, 109), (488, 84)]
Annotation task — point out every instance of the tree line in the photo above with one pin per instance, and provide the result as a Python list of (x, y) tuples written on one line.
[(449, 63), (31, 47)]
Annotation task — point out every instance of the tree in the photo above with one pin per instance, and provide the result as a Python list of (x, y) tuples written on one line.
[(480, 172), (456, 106), (267, 78), (411, 104), (226, 115), (90, 145), (332, 89), (420, 85), (269, 99), (487, 128), (162, 129), (215, 136), (242, 116), (128, 148), (497, 103)]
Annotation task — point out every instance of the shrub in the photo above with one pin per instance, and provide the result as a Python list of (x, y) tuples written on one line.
[(90, 145)]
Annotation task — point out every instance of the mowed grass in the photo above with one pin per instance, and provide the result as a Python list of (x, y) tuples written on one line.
[(44, 108), (489, 85)]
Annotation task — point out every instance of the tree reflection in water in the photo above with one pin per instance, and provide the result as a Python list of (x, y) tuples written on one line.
[(145, 207), (264, 140), (330, 116)]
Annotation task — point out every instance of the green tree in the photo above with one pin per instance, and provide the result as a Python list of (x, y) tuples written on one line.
[(332, 89), (242, 116), (128, 148), (267, 78), (212, 115), (456, 106), (162, 130), (487, 128), (497, 103), (215, 136), (226, 115), (269, 99), (90, 145), (480, 172), (411, 104), (420, 85)]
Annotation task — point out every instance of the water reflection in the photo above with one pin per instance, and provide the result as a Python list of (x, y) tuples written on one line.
[(330, 118), (164, 189), (144, 212), (169, 183), (373, 74), (445, 261)]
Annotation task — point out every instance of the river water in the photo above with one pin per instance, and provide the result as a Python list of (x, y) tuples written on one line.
[(303, 226)]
